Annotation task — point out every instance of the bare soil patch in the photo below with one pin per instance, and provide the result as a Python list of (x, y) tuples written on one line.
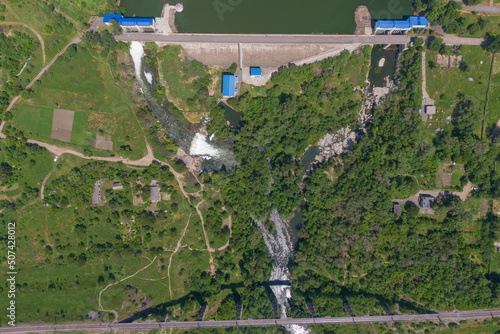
[(443, 176), (103, 142), (449, 61), (62, 124)]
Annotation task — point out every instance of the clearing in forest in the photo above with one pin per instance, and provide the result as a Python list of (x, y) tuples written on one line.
[(62, 124)]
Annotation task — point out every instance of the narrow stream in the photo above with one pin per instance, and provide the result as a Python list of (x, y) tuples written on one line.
[(280, 248)]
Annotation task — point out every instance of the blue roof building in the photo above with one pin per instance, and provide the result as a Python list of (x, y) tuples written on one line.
[(107, 17), (255, 72), (419, 22), (129, 22), (401, 25), (229, 85), (385, 24), (136, 22)]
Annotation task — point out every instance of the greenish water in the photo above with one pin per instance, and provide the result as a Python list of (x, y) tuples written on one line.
[(309, 156), (270, 16), (232, 116), (378, 74)]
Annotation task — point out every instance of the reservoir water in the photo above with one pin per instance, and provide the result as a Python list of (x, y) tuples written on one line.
[(270, 16)]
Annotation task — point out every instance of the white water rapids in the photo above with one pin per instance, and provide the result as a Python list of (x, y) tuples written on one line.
[(198, 144), (280, 248)]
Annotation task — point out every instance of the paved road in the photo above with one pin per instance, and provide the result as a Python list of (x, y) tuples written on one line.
[(481, 8), (104, 327), (284, 39)]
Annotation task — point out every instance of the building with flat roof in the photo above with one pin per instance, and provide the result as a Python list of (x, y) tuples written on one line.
[(396, 208), (426, 201), (96, 195), (229, 85), (154, 195), (430, 110), (141, 24), (392, 26), (255, 72)]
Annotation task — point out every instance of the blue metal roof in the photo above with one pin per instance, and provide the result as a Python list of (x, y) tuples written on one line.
[(128, 21), (144, 22), (413, 21), (228, 85), (385, 24), (419, 21), (107, 17), (255, 71), (401, 25)]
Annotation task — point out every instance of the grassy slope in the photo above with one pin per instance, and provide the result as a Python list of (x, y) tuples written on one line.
[(33, 175), (31, 13), (443, 84), (493, 108), (85, 84), (179, 75)]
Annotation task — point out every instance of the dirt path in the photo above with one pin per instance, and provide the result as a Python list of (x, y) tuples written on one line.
[(117, 282), (425, 96), (463, 194), (42, 44), (43, 184), (145, 161), (15, 99), (207, 242), (173, 253)]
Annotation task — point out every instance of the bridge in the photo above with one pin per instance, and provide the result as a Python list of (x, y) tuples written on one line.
[(183, 38), (106, 327)]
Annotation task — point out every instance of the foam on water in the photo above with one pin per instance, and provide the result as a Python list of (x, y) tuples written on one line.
[(149, 77), (137, 52), (280, 247), (200, 146)]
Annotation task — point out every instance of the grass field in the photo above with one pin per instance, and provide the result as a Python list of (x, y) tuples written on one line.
[(79, 132), (493, 108), (444, 84), (33, 14), (34, 120), (85, 84), (33, 173), (181, 75)]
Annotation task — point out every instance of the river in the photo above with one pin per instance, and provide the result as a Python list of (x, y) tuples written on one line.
[(270, 16), (186, 136)]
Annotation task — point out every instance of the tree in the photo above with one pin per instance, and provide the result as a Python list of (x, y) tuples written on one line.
[(70, 52), (493, 44), (418, 42), (435, 44), (5, 172), (115, 27), (47, 30)]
